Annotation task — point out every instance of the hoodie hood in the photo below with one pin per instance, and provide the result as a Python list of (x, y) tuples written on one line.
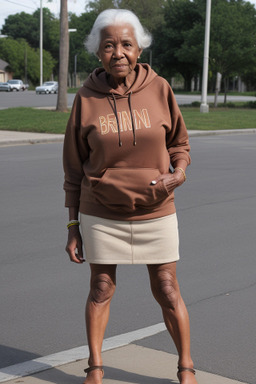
[(97, 81)]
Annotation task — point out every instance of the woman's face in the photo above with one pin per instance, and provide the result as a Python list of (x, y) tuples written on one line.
[(118, 51)]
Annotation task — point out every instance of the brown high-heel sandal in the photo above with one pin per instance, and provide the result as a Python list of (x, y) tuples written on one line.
[(183, 369), (93, 368)]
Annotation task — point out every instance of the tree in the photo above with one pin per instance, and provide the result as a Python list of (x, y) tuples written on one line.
[(14, 52), (26, 26), (178, 42), (22, 25), (62, 103), (233, 36), (51, 31), (86, 62), (100, 5), (249, 77)]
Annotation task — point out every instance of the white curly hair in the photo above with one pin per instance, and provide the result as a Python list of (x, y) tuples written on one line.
[(116, 17)]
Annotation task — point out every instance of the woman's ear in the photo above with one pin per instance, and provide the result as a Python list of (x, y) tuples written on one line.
[(140, 52)]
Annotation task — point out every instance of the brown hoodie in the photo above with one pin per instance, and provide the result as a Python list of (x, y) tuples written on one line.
[(117, 142)]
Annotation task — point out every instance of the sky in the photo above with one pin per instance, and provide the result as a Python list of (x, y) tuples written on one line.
[(11, 7)]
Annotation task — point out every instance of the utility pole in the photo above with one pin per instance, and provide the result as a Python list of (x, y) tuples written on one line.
[(26, 63), (75, 69), (41, 42), (204, 107)]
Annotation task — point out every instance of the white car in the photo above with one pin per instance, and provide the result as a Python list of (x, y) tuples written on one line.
[(5, 87), (16, 85), (48, 87)]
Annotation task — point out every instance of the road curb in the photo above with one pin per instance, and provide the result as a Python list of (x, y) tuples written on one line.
[(12, 138), (222, 132)]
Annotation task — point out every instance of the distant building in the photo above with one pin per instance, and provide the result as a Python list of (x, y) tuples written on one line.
[(5, 74)]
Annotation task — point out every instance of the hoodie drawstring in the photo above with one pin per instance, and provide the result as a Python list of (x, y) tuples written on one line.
[(117, 120), (133, 127)]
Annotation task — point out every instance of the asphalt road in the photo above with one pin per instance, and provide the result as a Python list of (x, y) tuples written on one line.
[(42, 294), (30, 99)]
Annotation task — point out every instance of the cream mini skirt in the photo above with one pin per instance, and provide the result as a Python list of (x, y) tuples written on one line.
[(154, 241)]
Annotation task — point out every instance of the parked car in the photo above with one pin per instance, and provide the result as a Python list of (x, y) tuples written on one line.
[(17, 85), (5, 87), (48, 87)]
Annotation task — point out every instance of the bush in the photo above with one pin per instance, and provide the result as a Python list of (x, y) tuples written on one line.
[(250, 104), (196, 104)]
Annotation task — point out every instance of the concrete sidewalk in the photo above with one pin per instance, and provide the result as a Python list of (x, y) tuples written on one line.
[(9, 138), (131, 364)]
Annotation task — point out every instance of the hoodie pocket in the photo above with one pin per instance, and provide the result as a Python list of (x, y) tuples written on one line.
[(128, 189)]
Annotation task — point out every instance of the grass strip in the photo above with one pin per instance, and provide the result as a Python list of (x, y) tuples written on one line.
[(50, 121), (33, 120), (219, 118)]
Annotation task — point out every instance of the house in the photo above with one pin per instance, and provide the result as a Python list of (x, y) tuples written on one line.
[(5, 74)]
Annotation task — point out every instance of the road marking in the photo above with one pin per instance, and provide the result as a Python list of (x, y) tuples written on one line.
[(52, 361)]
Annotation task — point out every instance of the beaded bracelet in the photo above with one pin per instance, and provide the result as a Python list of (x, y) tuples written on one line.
[(72, 222), (182, 171)]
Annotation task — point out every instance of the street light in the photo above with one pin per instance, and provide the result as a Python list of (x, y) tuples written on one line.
[(204, 107), (75, 68), (41, 43)]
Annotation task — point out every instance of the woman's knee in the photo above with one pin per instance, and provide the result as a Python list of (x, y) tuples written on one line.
[(102, 286), (165, 287)]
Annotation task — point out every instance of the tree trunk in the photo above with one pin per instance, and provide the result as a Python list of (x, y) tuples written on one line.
[(225, 90), (217, 88), (62, 102)]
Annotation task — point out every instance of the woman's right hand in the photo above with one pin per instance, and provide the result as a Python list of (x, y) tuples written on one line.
[(74, 246)]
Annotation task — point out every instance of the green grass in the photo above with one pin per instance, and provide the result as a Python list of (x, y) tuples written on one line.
[(33, 120), (219, 118), (40, 120)]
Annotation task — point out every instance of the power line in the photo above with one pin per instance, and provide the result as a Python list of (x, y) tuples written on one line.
[(21, 5)]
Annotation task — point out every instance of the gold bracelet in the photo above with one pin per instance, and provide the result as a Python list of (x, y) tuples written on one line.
[(182, 171), (72, 222)]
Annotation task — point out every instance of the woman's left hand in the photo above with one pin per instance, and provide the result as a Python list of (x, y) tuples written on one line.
[(171, 180)]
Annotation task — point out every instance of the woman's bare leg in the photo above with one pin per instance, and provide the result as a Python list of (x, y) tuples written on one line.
[(165, 289), (102, 288)]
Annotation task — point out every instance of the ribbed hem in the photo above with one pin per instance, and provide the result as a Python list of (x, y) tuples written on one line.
[(88, 208)]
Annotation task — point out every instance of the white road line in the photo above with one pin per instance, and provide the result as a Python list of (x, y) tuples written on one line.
[(51, 361)]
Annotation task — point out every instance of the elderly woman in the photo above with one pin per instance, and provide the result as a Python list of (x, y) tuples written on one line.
[(124, 132)]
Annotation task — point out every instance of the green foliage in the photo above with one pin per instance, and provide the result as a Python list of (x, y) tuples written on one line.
[(22, 25), (250, 104), (15, 52), (233, 36), (85, 61), (148, 11), (51, 32), (178, 44), (100, 5), (26, 26)]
